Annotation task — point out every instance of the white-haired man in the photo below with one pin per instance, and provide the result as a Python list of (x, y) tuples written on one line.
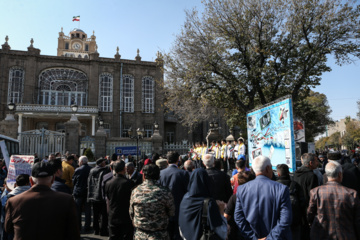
[(220, 181), (80, 180), (334, 210), (263, 206)]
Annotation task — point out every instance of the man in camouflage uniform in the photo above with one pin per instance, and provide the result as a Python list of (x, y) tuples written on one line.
[(151, 206)]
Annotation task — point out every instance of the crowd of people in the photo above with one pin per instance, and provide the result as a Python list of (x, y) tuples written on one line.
[(212, 193)]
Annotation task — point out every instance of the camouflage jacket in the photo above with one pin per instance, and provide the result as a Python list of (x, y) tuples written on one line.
[(151, 205)]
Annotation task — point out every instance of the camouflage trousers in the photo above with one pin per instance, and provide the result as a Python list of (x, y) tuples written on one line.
[(148, 235)]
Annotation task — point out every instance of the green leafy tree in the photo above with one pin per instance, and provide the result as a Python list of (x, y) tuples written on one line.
[(240, 54), (321, 143), (351, 137), (315, 111), (335, 140), (89, 154)]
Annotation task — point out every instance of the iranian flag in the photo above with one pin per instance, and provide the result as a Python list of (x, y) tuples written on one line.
[(76, 18)]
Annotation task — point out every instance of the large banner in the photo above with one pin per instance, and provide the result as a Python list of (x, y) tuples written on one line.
[(271, 133), (19, 164)]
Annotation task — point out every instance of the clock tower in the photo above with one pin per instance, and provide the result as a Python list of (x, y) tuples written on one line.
[(76, 45)]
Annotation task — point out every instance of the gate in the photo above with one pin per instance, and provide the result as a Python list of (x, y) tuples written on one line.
[(87, 142), (43, 142)]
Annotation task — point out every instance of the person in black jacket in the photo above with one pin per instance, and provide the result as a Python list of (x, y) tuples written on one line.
[(118, 192), (132, 174), (296, 197), (220, 181), (308, 180), (59, 183), (96, 198), (80, 181)]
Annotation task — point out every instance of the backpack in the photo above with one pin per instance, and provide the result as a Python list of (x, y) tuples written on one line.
[(207, 234), (295, 204)]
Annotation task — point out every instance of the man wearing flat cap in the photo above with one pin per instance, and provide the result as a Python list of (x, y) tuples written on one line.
[(41, 213)]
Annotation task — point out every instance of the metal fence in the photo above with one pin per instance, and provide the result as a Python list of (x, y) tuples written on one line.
[(180, 147), (145, 147), (43, 142)]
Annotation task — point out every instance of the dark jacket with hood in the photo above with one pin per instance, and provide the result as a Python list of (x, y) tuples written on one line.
[(308, 180), (94, 184), (296, 194)]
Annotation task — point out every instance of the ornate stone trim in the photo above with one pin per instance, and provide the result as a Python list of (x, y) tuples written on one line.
[(54, 108)]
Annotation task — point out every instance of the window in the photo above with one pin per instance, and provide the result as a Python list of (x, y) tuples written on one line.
[(67, 45), (125, 130), (83, 129), (148, 131), (69, 55), (41, 125), (78, 35), (16, 85), (128, 83), (105, 94), (148, 94), (62, 86), (86, 47), (170, 137)]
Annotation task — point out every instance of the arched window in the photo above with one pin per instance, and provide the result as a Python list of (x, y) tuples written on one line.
[(148, 94), (16, 85), (62, 86), (105, 92), (128, 83)]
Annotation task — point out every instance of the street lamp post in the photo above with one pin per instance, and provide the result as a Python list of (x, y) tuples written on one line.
[(101, 121), (139, 135), (74, 109), (11, 107)]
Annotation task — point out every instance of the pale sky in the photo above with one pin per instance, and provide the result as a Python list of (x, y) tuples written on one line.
[(150, 25)]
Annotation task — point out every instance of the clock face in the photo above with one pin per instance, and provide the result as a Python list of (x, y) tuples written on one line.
[(76, 46)]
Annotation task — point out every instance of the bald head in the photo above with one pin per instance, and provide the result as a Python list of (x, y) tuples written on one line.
[(189, 165)]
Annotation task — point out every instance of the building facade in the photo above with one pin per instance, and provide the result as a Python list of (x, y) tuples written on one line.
[(123, 93)]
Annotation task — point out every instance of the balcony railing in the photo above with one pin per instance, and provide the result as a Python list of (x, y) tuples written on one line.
[(54, 108)]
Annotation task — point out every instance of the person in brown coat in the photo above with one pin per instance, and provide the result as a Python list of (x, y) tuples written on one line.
[(334, 210), (41, 213)]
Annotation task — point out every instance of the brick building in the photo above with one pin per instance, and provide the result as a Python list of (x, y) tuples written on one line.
[(123, 93)]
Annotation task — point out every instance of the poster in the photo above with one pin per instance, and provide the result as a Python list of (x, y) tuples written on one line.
[(19, 164), (5, 153), (271, 133), (126, 151), (299, 130)]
